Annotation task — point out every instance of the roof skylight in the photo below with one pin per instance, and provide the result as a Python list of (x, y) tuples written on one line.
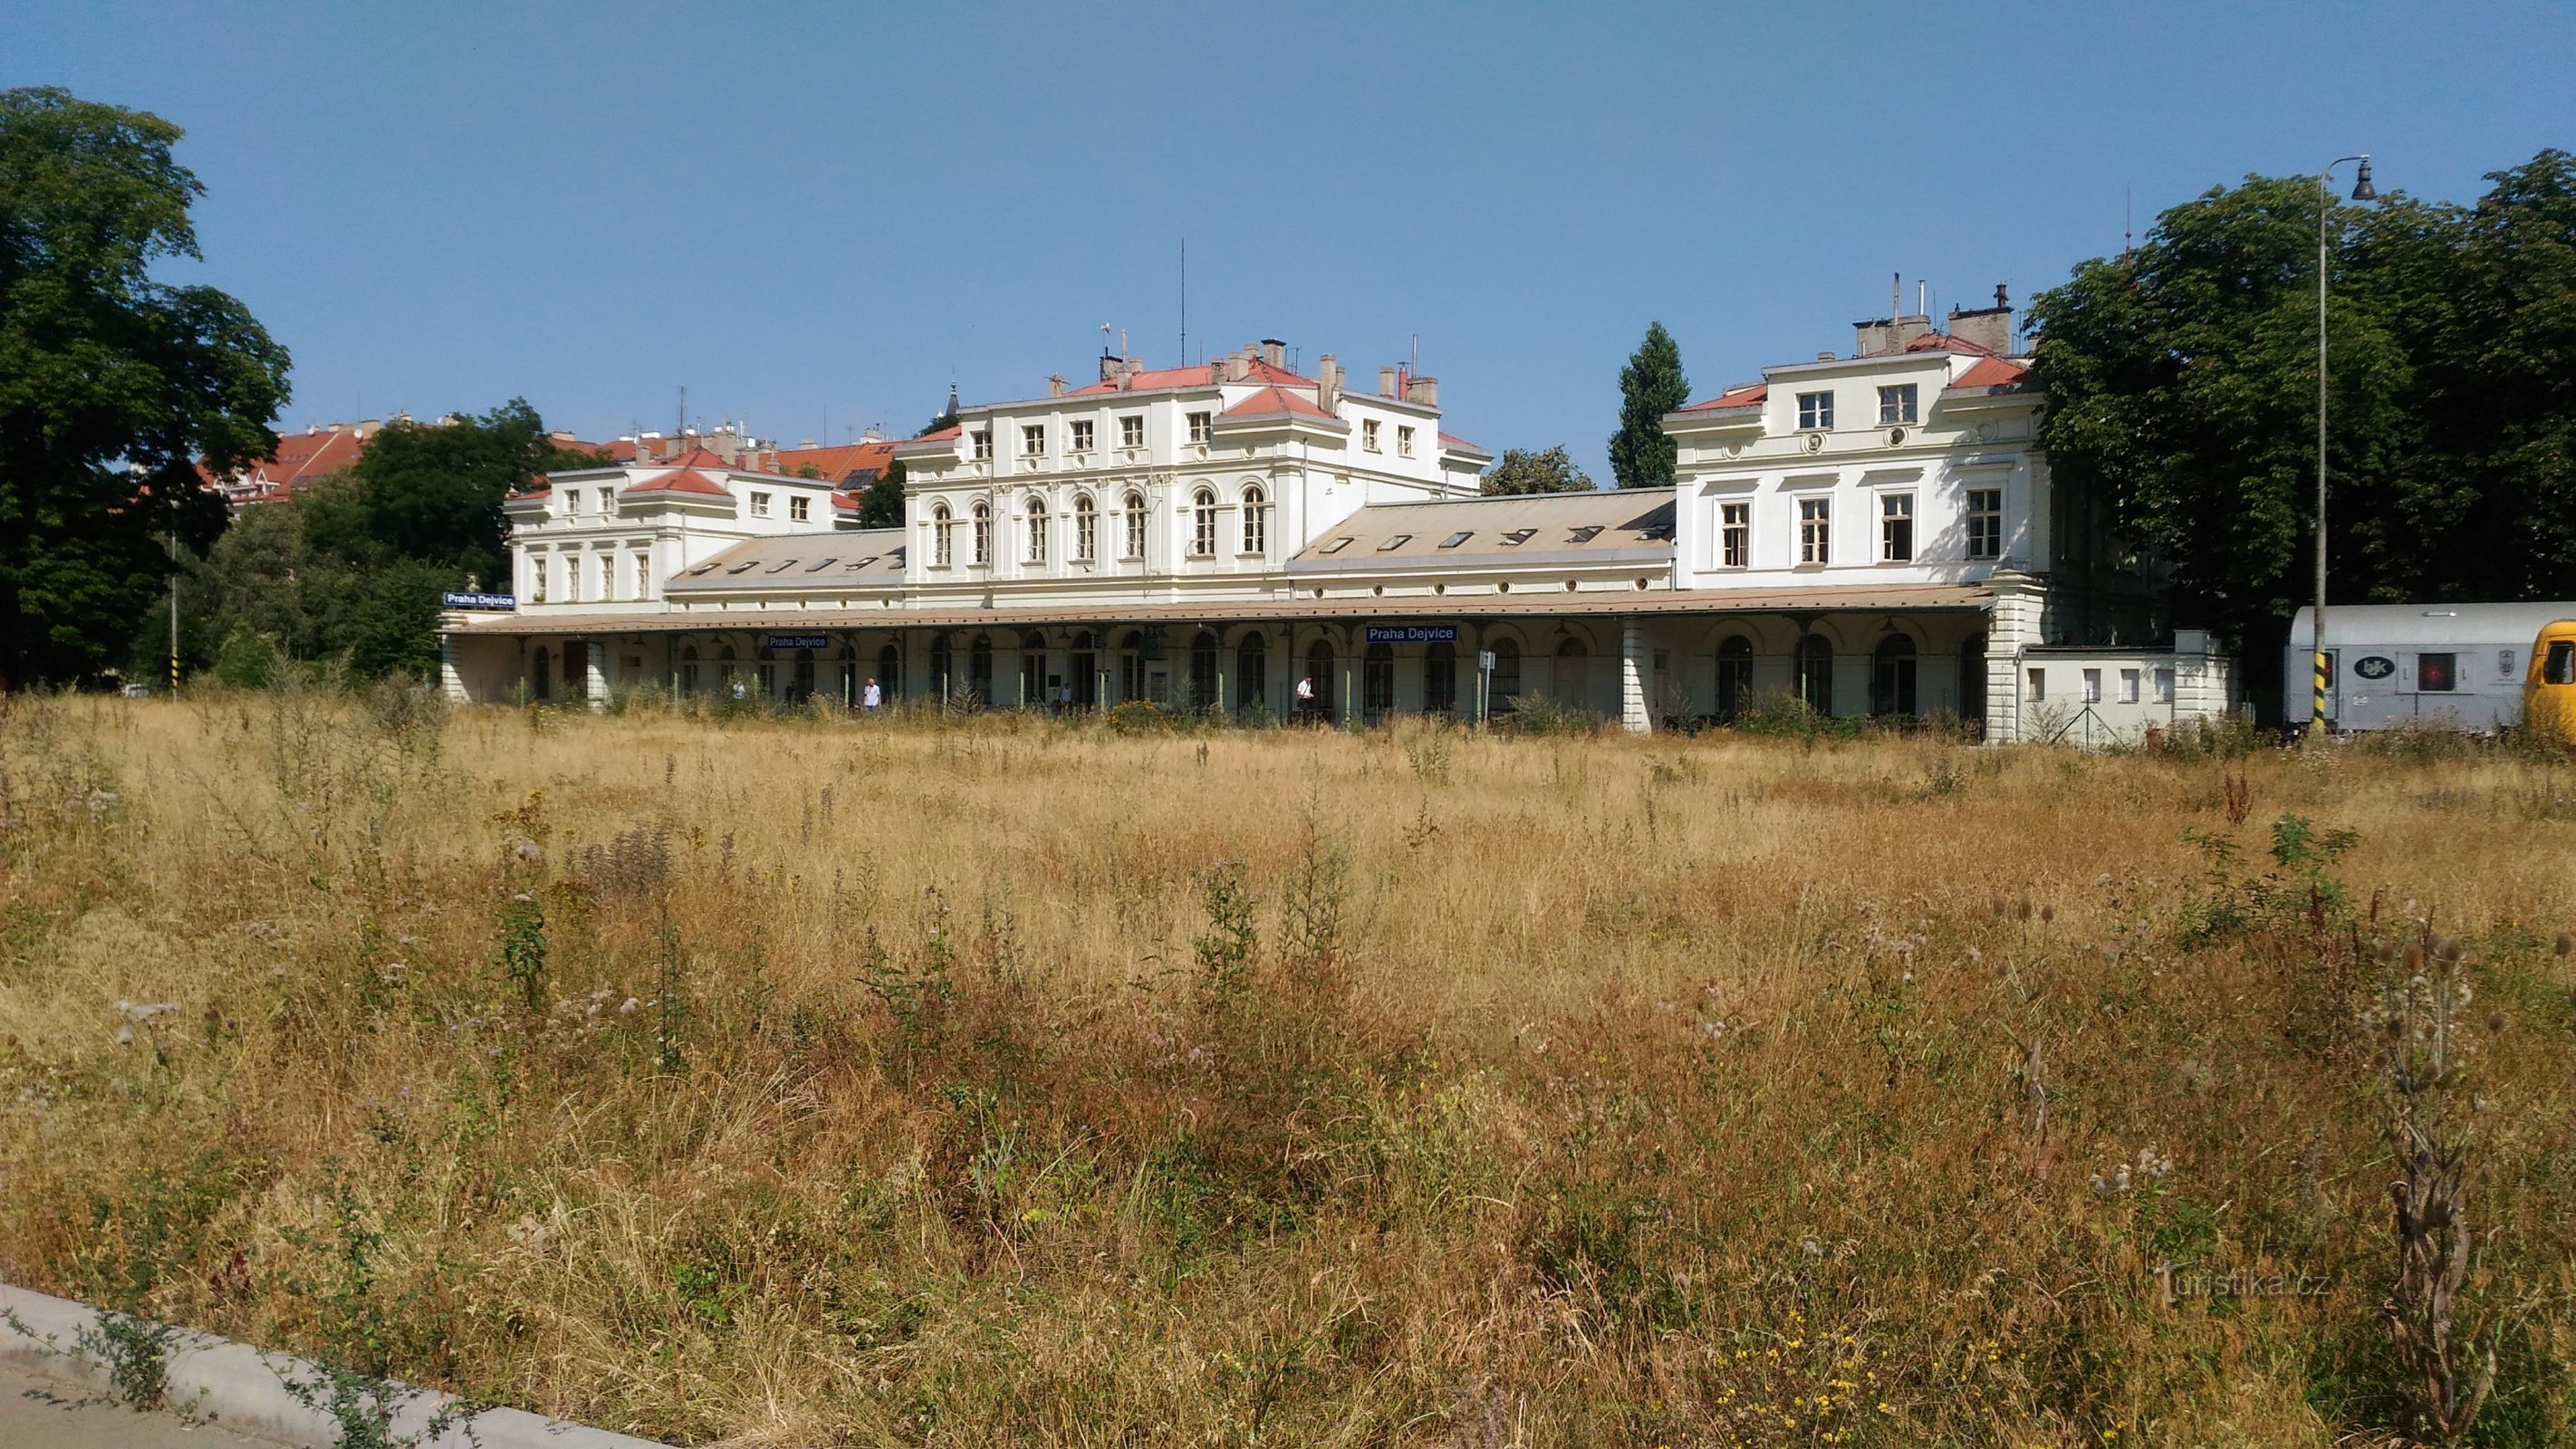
[(1586, 533), (1455, 539), (1336, 546), (1519, 536), (1392, 544)]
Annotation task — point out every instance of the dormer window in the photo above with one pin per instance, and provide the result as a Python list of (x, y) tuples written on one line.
[(760, 505), (799, 508)]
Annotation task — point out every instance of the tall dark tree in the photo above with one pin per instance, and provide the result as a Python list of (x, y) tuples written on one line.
[(881, 506), (1522, 471), (433, 492), (112, 384), (1650, 386)]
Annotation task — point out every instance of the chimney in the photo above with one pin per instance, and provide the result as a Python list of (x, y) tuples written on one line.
[(1328, 382), (1055, 384), (1423, 390), (1386, 382), (1109, 368), (1274, 352), (1824, 357), (1909, 327), (1869, 339), (1987, 327), (1238, 365)]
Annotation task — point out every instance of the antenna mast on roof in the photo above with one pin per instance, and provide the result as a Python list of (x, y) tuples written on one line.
[(1185, 302), (2127, 220), (681, 427)]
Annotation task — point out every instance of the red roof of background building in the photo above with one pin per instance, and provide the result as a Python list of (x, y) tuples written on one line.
[(1204, 374), (1273, 400), (1992, 371), (1742, 395), (837, 464), (1454, 441), (1944, 342)]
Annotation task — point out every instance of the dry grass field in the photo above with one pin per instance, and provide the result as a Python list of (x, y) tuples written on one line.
[(1007, 1082)]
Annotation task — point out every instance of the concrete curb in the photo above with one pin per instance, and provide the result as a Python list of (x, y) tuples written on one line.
[(238, 1387)]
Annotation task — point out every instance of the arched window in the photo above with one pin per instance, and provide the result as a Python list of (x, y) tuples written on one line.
[(1440, 678), (802, 680), (1203, 523), (1506, 684), (1037, 530), (1816, 673), (1086, 530), (942, 536), (689, 669), (1135, 526), (1573, 671), (983, 533), (979, 668), (1256, 520), (1734, 676), (942, 668), (1891, 677), (1082, 667), (890, 673), (727, 678), (1377, 681), (1319, 674), (1252, 672), (541, 674), (1203, 681)]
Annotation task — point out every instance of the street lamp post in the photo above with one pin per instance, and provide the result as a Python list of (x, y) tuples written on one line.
[(2361, 191)]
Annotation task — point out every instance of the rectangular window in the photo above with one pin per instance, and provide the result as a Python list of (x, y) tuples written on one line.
[(1086, 532), (1032, 441), (2037, 689), (2128, 686), (799, 508), (1368, 434), (2504, 664), (1082, 436), (760, 505), (2092, 686), (643, 575), (607, 576), (1896, 404), (983, 438), (2437, 673), (1815, 530), (1131, 431), (1985, 523), (1199, 427), (1735, 534), (1815, 410), (537, 581), (2558, 666), (572, 502), (2164, 686), (572, 578), (1403, 441), (1896, 528)]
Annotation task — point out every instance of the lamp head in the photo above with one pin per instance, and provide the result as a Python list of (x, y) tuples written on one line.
[(2362, 189)]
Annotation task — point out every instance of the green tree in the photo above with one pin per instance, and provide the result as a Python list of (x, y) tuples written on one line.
[(394, 629), (112, 384), (881, 506), (433, 492), (2182, 390), (1522, 471), (1650, 386)]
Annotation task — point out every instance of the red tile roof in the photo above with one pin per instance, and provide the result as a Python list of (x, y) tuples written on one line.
[(836, 464), (1991, 371), (1270, 401), (688, 479), (1944, 342), (1742, 395), (301, 459), (1256, 372), (1454, 441)]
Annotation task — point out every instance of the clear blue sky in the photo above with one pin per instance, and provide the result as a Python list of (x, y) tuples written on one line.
[(816, 216)]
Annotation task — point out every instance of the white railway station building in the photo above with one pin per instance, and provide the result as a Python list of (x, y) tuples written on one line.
[(1874, 534)]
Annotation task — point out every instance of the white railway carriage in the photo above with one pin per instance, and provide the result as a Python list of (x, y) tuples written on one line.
[(2460, 665)]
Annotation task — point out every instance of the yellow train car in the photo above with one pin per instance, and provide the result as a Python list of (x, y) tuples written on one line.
[(2549, 691)]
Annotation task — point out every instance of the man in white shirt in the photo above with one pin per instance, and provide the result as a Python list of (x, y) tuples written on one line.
[(871, 697), (1306, 697)]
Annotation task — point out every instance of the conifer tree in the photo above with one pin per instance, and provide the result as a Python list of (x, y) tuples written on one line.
[(1650, 386)]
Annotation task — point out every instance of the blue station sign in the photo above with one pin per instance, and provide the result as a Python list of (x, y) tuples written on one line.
[(455, 600), (797, 641), (1412, 633)]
